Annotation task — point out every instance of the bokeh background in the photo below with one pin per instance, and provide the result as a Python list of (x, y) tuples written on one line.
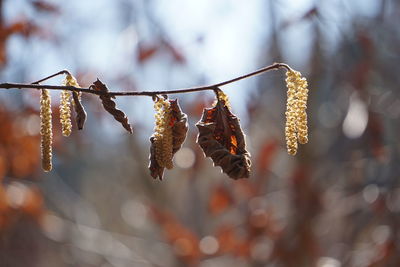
[(337, 203)]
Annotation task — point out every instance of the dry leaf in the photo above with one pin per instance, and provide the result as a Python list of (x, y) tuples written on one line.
[(175, 52), (266, 155), (46, 7), (220, 200), (146, 52), (80, 111), (179, 127), (184, 241), (221, 138), (155, 169), (179, 130), (110, 106)]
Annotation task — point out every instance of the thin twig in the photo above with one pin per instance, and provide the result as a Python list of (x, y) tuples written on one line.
[(51, 76), (254, 73), (35, 85)]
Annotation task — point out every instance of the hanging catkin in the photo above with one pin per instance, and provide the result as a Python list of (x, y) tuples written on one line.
[(46, 130), (163, 133), (65, 105), (65, 112), (296, 129), (169, 134)]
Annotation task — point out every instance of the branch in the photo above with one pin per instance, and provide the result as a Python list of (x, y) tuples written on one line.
[(89, 90), (51, 76), (220, 135)]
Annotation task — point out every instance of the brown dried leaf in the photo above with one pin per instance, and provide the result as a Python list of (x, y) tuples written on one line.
[(184, 241), (175, 53), (222, 139), (80, 111), (45, 7), (179, 131), (110, 106), (179, 126), (220, 200), (23, 27), (266, 155), (309, 14), (227, 238), (146, 52)]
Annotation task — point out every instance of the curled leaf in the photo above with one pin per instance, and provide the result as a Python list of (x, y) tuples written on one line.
[(177, 121), (156, 171), (80, 111), (222, 139), (110, 106), (179, 126)]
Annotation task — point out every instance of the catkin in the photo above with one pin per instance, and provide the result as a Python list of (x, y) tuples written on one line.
[(224, 98), (65, 105), (290, 128), (296, 129), (163, 133), (46, 130), (302, 95), (65, 112), (70, 81)]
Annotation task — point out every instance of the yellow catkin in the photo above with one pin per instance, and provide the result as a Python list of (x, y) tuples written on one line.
[(296, 117), (224, 97), (163, 133), (65, 105), (46, 130), (302, 95), (290, 128), (65, 112), (71, 81)]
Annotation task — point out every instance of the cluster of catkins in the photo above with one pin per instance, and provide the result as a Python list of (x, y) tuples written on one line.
[(67, 97), (220, 135), (296, 130)]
